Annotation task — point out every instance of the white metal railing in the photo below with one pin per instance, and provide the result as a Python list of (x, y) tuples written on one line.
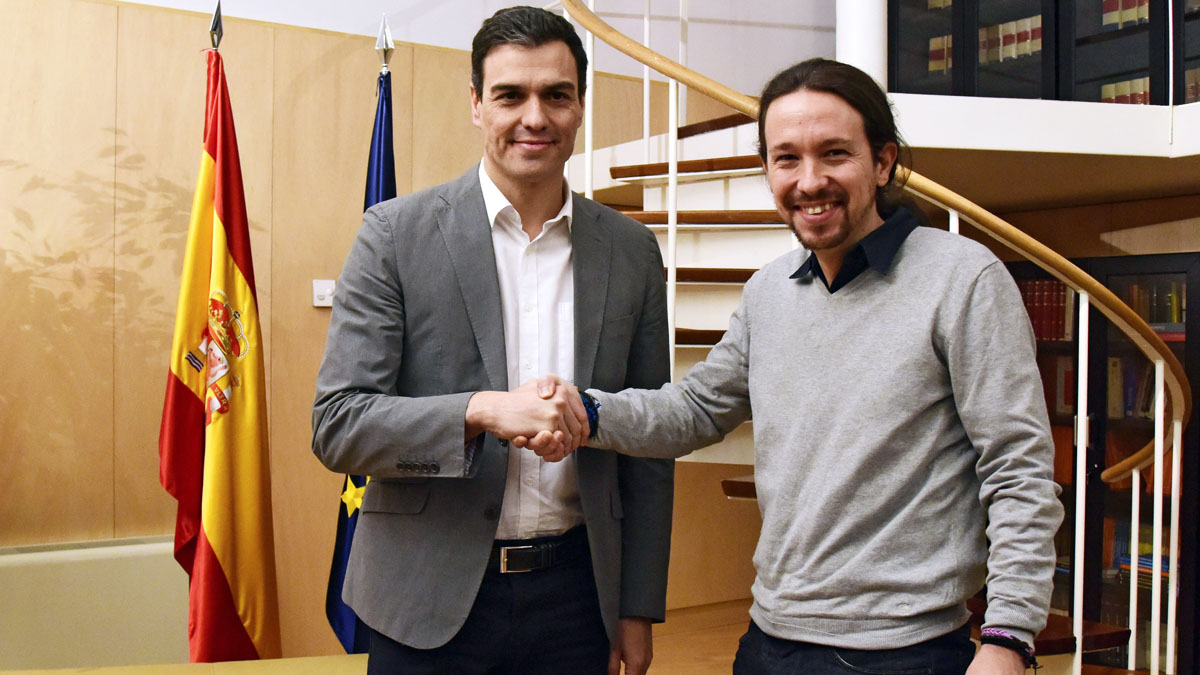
[(1081, 446), (674, 106)]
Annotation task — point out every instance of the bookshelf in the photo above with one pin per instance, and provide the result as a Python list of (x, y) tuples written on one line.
[(1158, 288), (1114, 51)]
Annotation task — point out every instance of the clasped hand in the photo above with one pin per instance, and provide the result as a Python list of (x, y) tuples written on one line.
[(545, 415)]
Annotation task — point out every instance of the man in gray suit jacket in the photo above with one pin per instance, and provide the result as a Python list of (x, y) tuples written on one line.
[(449, 298)]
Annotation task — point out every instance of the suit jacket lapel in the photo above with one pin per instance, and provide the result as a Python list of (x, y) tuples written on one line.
[(591, 254), (463, 222)]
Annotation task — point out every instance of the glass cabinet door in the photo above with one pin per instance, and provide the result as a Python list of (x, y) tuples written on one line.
[(1011, 62), (1159, 298), (921, 45), (1110, 52), (1191, 53)]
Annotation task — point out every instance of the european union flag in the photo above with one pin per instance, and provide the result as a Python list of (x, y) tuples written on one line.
[(381, 185)]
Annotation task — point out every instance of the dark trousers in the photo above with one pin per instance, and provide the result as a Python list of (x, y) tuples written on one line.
[(544, 621), (762, 654)]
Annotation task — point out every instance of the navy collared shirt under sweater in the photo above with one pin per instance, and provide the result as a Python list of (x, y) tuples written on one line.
[(876, 251)]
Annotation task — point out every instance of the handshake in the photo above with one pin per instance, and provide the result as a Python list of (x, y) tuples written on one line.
[(545, 415)]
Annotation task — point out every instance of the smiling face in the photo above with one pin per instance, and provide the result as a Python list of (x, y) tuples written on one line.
[(529, 111), (822, 172)]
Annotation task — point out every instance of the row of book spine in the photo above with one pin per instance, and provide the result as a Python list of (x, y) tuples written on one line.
[(941, 54), (1135, 91), (1051, 307), (1010, 40), (1116, 14), (1130, 388), (1159, 301)]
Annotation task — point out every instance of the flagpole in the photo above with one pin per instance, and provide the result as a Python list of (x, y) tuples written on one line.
[(384, 46), (216, 30)]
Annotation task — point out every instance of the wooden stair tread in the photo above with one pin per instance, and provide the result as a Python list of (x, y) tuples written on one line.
[(712, 275), (739, 487), (686, 166), (697, 336), (714, 124), (744, 217), (1057, 638), (1109, 670)]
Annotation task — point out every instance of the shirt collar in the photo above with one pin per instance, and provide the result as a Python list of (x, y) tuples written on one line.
[(880, 246), (494, 201)]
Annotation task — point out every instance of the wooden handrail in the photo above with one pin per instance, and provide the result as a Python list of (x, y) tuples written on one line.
[(1116, 311)]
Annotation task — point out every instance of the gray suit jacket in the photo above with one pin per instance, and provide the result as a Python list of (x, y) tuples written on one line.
[(416, 329)]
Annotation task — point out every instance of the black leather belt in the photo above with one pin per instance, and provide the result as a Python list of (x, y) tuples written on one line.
[(528, 555)]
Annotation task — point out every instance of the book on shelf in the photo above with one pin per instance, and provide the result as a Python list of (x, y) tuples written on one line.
[(1035, 33), (1023, 36), (1137, 91), (1008, 40), (949, 52), (937, 54), (1116, 388), (1124, 92), (983, 47), (993, 42), (1192, 81), (1143, 11), (1108, 93), (1110, 17), (1064, 385), (1129, 13)]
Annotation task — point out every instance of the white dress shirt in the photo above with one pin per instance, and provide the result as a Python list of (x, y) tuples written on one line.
[(537, 300)]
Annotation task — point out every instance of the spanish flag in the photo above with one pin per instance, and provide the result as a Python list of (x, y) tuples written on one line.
[(213, 455)]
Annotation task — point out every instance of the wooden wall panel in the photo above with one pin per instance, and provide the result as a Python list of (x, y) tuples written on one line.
[(713, 538), (324, 105), (56, 270), (444, 143)]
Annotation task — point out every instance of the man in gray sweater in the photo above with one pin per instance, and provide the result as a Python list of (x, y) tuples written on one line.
[(903, 454)]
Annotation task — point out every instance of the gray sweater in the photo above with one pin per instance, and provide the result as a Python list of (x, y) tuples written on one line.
[(897, 423)]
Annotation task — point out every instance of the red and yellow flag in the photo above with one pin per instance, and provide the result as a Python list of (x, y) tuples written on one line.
[(213, 443)]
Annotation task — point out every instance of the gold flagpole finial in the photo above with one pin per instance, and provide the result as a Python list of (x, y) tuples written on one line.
[(384, 45), (216, 30)]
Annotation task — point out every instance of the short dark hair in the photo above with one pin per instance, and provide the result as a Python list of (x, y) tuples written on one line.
[(861, 92), (527, 27)]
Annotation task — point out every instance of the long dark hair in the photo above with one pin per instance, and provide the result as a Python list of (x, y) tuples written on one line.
[(861, 92)]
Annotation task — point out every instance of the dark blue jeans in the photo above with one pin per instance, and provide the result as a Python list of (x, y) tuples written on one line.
[(545, 622), (762, 654)]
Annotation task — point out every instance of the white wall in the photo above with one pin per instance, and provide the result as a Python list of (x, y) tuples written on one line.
[(746, 42)]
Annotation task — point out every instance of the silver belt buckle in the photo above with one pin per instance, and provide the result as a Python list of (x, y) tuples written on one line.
[(504, 558)]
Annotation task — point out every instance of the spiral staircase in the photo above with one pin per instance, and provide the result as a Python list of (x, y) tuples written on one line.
[(729, 228)]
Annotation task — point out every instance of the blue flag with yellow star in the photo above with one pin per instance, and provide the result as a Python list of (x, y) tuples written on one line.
[(381, 185)]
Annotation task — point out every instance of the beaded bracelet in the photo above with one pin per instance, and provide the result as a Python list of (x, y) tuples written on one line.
[(1002, 638)]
